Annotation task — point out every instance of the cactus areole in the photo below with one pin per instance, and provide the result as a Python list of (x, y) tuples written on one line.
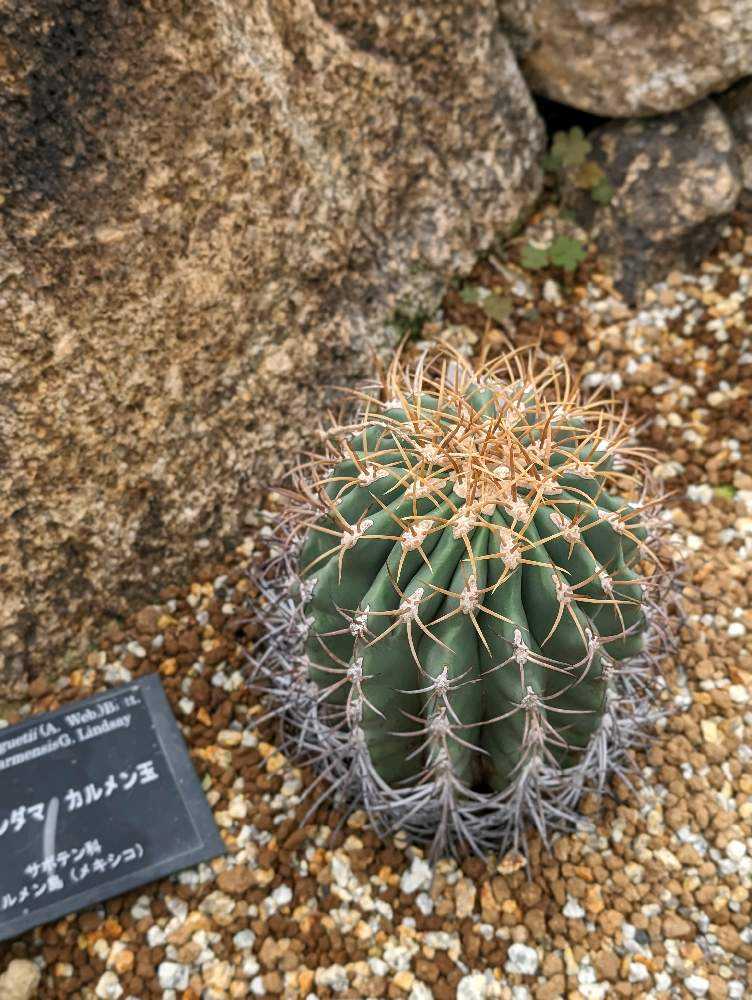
[(472, 619)]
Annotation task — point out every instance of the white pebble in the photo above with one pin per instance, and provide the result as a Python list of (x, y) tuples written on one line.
[(108, 987), (334, 977), (701, 493), (573, 910), (378, 967), (282, 895), (155, 937), (173, 976), (738, 694), (638, 972), (257, 986), (177, 907), (418, 876), (473, 987), (698, 986), (141, 908), (522, 959), (116, 673), (424, 903), (736, 629), (736, 849), (244, 939)]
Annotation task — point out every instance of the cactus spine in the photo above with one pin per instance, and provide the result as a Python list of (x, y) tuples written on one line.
[(471, 636)]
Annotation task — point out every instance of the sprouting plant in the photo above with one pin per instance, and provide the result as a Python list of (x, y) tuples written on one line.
[(466, 606), (564, 252), (568, 158), (568, 149), (725, 491), (496, 307)]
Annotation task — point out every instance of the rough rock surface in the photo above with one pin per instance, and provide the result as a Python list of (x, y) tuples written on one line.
[(19, 981), (208, 212), (737, 106), (620, 58), (676, 179)]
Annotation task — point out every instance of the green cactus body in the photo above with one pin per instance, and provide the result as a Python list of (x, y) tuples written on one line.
[(469, 637), (471, 579)]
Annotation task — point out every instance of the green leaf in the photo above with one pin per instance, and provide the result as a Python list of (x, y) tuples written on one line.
[(471, 294), (602, 192), (496, 307), (566, 253), (588, 175), (570, 148), (725, 491), (534, 258)]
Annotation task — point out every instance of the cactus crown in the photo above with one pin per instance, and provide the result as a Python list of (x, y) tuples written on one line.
[(475, 601)]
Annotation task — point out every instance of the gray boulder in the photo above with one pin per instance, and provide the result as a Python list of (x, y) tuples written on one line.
[(619, 58), (208, 212), (675, 179), (737, 106)]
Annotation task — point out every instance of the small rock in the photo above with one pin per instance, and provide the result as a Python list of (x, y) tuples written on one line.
[(738, 694), (675, 926), (736, 850), (334, 977), (638, 972), (219, 905), (218, 976), (173, 976), (235, 881), (230, 738), (709, 731), (464, 894), (522, 959), (698, 986), (19, 981), (404, 980), (147, 620), (473, 987), (282, 895), (675, 180), (108, 987), (418, 876), (155, 936), (573, 910)]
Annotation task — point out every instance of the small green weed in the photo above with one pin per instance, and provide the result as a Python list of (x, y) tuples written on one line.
[(726, 491), (568, 160), (496, 307), (564, 252)]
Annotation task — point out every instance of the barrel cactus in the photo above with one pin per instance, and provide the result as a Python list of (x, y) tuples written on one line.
[(468, 602)]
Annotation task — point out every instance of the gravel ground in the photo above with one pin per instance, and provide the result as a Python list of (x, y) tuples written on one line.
[(654, 901)]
